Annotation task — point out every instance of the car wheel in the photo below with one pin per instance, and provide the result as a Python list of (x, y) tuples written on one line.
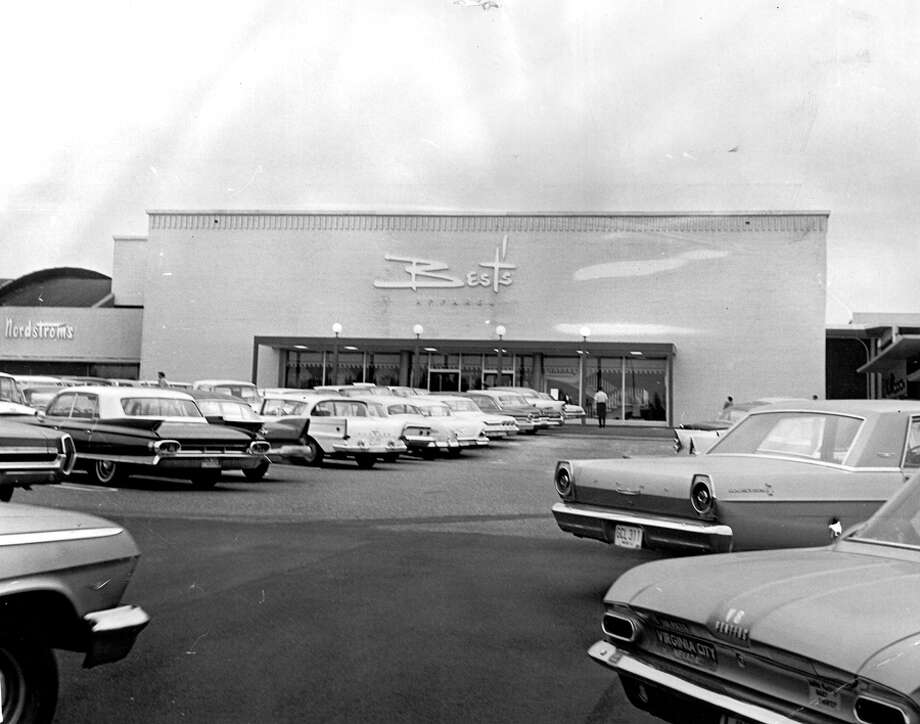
[(258, 472), (365, 462), (104, 471), (29, 679), (206, 479), (314, 453), (6, 493)]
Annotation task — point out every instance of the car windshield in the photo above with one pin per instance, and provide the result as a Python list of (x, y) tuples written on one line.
[(461, 405), (513, 400), (436, 411), (811, 435), (228, 409), (159, 407), (246, 392), (897, 522)]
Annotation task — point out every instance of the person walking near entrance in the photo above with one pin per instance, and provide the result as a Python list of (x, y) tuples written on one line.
[(161, 380), (600, 406)]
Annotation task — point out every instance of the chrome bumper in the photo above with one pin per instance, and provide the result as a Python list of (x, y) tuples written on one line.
[(587, 521), (609, 655), (112, 633), (393, 446)]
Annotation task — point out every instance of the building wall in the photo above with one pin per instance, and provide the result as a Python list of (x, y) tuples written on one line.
[(129, 270), (741, 296)]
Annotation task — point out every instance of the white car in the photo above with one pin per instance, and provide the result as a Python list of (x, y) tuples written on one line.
[(494, 425), (470, 432), (553, 410), (340, 427), (422, 435), (238, 388)]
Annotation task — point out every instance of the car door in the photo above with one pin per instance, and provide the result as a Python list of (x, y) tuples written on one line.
[(326, 427), (60, 415)]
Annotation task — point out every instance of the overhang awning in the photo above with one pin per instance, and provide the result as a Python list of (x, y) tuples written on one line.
[(904, 347)]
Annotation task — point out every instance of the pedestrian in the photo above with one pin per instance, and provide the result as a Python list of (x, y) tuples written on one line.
[(600, 405), (729, 401), (161, 379)]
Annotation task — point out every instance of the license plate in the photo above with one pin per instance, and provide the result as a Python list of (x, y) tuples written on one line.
[(627, 536), (687, 648), (210, 463)]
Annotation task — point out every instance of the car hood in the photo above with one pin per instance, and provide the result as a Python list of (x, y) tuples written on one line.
[(16, 518), (852, 606)]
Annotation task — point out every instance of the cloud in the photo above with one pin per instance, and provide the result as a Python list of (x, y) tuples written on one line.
[(645, 267)]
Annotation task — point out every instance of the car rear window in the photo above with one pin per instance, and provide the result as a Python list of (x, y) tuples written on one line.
[(813, 436), (159, 407)]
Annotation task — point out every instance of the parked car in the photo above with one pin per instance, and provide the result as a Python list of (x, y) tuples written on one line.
[(12, 401), (817, 635), (341, 427), (469, 432), (31, 455), (37, 397), (528, 418), (553, 410), (285, 433), (422, 436), (697, 437), (785, 476), (119, 431), (62, 581), (238, 388), (495, 426)]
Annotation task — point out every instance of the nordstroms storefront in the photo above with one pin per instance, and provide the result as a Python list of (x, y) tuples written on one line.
[(680, 310)]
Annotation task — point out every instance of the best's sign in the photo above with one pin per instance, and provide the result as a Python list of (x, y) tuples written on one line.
[(31, 329)]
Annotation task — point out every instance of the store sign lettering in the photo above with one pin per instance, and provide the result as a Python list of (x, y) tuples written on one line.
[(433, 274), (38, 330)]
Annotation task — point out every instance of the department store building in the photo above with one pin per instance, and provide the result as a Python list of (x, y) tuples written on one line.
[(669, 313)]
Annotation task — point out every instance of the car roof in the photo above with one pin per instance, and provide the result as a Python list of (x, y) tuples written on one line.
[(213, 395), (856, 407), (118, 391)]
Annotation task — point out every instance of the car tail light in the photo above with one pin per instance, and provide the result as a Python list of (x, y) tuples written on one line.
[(869, 710), (564, 478), (621, 627), (259, 447), (701, 496), (678, 446), (166, 447), (70, 454)]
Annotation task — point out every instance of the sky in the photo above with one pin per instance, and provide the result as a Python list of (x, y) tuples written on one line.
[(111, 109)]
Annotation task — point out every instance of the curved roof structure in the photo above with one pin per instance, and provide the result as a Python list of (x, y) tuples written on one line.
[(58, 287)]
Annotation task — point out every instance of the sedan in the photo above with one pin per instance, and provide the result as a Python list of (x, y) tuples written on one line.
[(31, 455), (119, 431), (826, 634), (785, 476), (62, 577)]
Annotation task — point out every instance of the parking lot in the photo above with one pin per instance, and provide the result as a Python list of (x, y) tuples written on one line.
[(417, 591)]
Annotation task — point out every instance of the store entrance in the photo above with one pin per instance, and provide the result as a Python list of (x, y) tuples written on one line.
[(444, 381)]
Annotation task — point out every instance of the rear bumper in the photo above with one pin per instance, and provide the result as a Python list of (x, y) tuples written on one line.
[(587, 521), (724, 700), (391, 446), (112, 633)]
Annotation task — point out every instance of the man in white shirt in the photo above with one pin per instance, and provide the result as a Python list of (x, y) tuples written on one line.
[(600, 405)]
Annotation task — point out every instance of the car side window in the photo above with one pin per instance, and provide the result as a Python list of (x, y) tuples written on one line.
[(61, 405), (85, 406), (912, 455), (322, 409)]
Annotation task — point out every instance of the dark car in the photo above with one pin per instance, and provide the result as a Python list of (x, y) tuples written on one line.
[(528, 418), (118, 431), (31, 455), (286, 433)]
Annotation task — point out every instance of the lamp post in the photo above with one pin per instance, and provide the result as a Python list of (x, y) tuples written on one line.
[(336, 330), (417, 331), (500, 331), (585, 333)]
